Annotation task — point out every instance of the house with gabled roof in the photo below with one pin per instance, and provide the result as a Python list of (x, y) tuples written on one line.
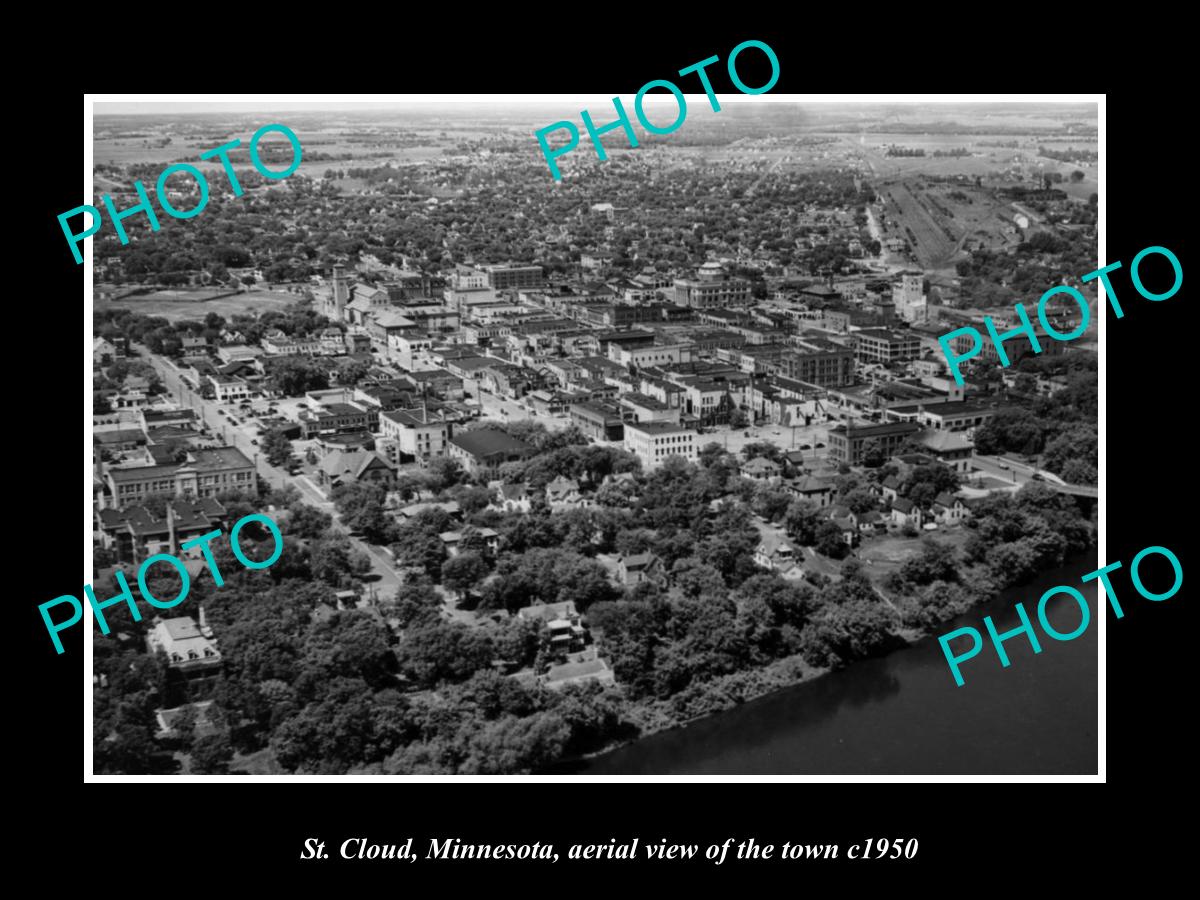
[(776, 554), (510, 498), (350, 467), (905, 512), (636, 568), (563, 494), (949, 508)]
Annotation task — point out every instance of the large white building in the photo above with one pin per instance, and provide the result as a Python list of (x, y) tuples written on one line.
[(653, 442), (415, 432), (909, 298)]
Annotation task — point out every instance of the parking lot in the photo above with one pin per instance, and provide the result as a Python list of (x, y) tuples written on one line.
[(805, 438)]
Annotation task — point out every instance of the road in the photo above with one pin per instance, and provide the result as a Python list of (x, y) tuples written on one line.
[(1020, 473), (387, 579)]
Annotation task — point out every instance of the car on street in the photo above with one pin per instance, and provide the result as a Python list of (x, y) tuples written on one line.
[(1002, 465), (1037, 476)]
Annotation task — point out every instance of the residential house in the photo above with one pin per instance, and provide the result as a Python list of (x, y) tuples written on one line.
[(640, 567), (810, 488), (451, 540), (905, 512), (949, 508), (760, 469), (342, 467), (594, 669), (188, 650), (510, 498), (563, 493), (775, 553), (564, 623)]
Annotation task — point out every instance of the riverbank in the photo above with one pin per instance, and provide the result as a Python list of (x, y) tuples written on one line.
[(712, 700)]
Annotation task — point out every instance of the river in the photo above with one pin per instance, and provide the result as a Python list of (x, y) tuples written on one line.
[(903, 713)]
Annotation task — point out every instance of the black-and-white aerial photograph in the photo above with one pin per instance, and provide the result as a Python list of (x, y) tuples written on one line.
[(657, 467)]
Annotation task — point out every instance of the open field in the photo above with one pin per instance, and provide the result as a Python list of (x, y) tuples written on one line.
[(177, 305), (883, 555)]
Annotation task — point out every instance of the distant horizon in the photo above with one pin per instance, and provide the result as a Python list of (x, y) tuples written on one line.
[(105, 109)]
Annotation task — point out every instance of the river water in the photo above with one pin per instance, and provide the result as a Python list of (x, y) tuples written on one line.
[(903, 714)]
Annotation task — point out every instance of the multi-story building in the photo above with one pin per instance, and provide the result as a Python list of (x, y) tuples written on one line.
[(338, 418), (600, 420), (712, 291), (826, 366), (229, 388), (655, 355), (909, 298), (847, 443), (947, 416), (653, 442), (276, 343), (205, 473), (486, 449), (417, 434), (508, 278), (135, 533), (188, 650), (882, 345)]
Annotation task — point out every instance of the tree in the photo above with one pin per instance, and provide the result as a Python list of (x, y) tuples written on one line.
[(860, 500), (349, 644), (830, 541), (770, 503), (294, 375), (443, 472), (709, 454), (765, 449), (307, 521), (433, 652), (277, 447), (1077, 176), (873, 454), (462, 572), (361, 506), (335, 560), (211, 754)]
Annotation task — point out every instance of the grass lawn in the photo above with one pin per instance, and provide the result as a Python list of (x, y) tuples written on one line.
[(175, 306), (260, 763)]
